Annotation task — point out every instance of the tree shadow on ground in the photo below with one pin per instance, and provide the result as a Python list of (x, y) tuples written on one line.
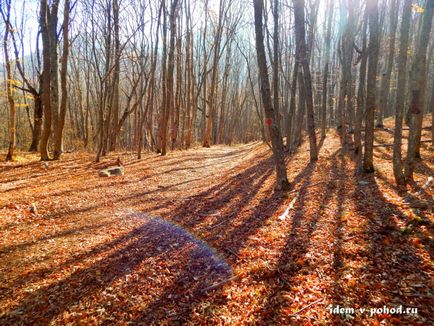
[(221, 233), (156, 242), (293, 261), (393, 264)]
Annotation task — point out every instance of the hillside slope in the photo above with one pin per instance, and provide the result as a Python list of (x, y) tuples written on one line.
[(200, 236)]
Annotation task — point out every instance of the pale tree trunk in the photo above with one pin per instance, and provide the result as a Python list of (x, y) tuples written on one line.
[(175, 117), (385, 82), (361, 93), (212, 92), (162, 129), (418, 89), (224, 93), (304, 62), (52, 20), (301, 108), (114, 137), (346, 57), (9, 79), (275, 82), (58, 132), (191, 97), (400, 94), (46, 81), (147, 115), (276, 139), (105, 95), (368, 158), (330, 6), (170, 69), (292, 103)]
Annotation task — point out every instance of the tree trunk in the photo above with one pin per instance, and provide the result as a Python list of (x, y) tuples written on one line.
[(292, 103), (385, 82), (276, 139), (212, 92), (37, 124), (361, 93), (400, 94), (330, 6), (52, 20), (46, 81), (9, 79), (346, 57), (276, 63), (170, 69), (418, 89), (368, 158), (63, 84), (304, 61)]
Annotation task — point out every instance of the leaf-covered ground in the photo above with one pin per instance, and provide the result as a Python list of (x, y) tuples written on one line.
[(200, 237)]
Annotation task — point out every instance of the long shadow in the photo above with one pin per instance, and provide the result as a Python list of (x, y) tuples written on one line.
[(65, 233), (414, 225), (292, 261), (189, 213), (221, 234), (155, 239), (423, 168), (241, 188), (166, 162), (194, 168), (392, 258), (225, 202), (393, 264)]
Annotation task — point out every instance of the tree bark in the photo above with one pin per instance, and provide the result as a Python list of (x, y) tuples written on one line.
[(276, 139), (400, 94), (170, 69), (9, 79), (385, 82), (368, 158), (330, 6), (212, 92), (304, 62), (58, 133), (361, 93), (46, 81), (418, 89)]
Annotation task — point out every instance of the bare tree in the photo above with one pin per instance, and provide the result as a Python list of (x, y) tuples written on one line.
[(385, 82), (9, 78), (330, 7), (304, 62), (400, 94), (276, 139), (368, 158), (418, 89), (58, 132)]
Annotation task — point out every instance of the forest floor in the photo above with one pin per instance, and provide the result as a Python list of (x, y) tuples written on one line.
[(200, 236)]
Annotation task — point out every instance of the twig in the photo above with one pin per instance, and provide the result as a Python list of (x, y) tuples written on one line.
[(304, 308), (216, 285)]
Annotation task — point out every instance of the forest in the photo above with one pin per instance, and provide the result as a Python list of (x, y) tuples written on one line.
[(213, 162)]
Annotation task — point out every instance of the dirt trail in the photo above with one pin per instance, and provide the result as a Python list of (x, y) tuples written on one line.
[(199, 236)]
